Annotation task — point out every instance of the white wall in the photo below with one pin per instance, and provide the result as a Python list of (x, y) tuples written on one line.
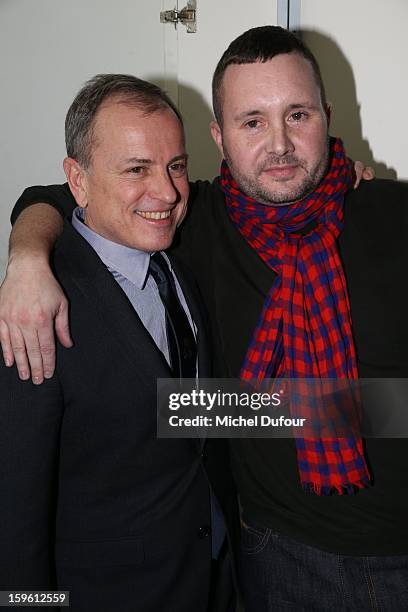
[(362, 48), (48, 48)]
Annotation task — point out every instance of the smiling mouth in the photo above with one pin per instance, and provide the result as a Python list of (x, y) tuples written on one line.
[(156, 216)]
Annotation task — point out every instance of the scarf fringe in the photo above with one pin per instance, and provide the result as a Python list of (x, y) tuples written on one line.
[(346, 489)]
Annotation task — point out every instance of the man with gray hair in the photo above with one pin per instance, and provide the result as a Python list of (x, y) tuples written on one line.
[(92, 502)]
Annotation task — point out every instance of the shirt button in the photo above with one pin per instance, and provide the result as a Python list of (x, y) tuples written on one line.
[(203, 532)]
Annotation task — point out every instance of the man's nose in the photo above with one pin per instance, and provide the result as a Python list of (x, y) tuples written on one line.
[(278, 140), (163, 188)]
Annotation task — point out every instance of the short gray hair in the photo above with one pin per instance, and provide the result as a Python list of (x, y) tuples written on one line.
[(126, 89)]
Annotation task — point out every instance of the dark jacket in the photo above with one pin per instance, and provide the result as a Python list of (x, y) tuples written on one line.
[(91, 501)]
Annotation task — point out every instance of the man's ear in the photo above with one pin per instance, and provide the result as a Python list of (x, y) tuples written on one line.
[(77, 182), (328, 111), (217, 136)]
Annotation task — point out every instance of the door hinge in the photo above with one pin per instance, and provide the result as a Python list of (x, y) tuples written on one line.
[(187, 16)]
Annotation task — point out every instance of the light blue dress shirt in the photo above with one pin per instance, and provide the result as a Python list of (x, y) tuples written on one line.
[(129, 267)]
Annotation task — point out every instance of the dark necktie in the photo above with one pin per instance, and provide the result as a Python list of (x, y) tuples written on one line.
[(180, 337)]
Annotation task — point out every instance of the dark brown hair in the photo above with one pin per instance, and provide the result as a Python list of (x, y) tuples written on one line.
[(260, 45)]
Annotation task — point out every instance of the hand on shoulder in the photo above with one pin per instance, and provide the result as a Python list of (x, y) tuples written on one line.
[(31, 303)]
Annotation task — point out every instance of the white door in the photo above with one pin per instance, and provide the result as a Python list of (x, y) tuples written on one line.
[(48, 48)]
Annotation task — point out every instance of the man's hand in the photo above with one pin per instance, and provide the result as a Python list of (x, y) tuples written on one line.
[(362, 172), (30, 300)]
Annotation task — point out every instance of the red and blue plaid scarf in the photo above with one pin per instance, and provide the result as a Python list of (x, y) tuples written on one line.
[(304, 330)]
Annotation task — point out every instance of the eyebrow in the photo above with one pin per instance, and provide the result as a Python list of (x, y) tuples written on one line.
[(138, 160), (255, 112), (247, 114), (305, 105), (184, 156)]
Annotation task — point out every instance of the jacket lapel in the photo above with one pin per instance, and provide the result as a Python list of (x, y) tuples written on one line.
[(99, 287)]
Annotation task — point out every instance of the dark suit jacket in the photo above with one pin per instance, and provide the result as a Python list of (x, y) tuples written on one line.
[(91, 501)]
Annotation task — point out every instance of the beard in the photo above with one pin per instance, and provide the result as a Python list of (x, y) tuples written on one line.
[(275, 196)]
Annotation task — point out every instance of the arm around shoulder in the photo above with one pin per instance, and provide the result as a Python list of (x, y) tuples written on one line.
[(57, 196)]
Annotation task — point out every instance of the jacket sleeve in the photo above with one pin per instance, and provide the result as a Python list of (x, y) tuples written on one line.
[(30, 420), (59, 196)]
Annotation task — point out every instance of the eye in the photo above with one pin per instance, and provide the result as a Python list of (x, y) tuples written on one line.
[(252, 123), (137, 170), (298, 116), (178, 169)]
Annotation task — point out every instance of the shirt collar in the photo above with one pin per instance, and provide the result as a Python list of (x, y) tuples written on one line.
[(130, 263)]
